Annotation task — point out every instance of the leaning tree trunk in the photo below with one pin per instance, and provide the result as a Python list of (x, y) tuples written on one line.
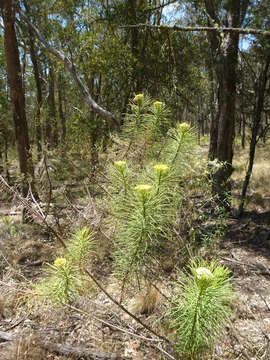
[(17, 94), (72, 70)]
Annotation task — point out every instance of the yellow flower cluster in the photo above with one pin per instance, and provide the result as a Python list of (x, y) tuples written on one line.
[(161, 168), (158, 105), (203, 272), (120, 165), (204, 276), (183, 127), (143, 189), (139, 99), (60, 262)]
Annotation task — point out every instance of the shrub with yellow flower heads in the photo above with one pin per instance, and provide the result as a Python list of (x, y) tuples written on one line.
[(118, 178), (65, 277), (161, 171), (200, 307), (158, 119)]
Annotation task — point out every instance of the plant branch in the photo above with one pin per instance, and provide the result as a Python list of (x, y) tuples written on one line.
[(69, 65), (242, 31)]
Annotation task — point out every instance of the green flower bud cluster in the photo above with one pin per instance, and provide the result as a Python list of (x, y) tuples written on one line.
[(158, 105), (138, 99), (183, 128)]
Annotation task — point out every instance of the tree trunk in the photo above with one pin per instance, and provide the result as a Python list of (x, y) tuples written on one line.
[(34, 60), (226, 47), (255, 130), (214, 118), (17, 94), (243, 137), (60, 110), (1, 162), (51, 121), (6, 156)]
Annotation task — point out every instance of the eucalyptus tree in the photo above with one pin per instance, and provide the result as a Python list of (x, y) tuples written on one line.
[(15, 80), (258, 64)]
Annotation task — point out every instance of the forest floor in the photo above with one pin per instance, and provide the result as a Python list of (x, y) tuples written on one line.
[(95, 328)]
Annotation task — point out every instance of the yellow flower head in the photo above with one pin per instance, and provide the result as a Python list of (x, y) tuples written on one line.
[(60, 262), (139, 99), (120, 165), (158, 105), (204, 274), (183, 127), (143, 189), (161, 168)]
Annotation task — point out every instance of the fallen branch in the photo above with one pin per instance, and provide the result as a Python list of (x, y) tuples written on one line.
[(125, 309), (30, 208)]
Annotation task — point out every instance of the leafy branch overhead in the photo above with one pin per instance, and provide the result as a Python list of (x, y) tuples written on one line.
[(72, 70)]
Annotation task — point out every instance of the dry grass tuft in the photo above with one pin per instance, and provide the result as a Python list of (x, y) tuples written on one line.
[(25, 348), (146, 302), (9, 300)]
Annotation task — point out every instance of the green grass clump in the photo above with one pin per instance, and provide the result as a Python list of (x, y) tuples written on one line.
[(200, 307)]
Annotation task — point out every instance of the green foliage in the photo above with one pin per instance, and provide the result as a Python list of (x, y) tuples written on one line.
[(136, 119), (181, 140), (11, 228), (158, 119), (200, 307), (81, 246), (61, 283), (217, 232), (146, 216), (144, 203), (65, 277)]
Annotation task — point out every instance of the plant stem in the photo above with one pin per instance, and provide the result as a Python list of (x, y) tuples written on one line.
[(178, 149), (159, 180), (195, 317)]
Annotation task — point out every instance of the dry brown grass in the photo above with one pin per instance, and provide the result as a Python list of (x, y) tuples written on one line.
[(146, 302), (25, 348), (258, 195)]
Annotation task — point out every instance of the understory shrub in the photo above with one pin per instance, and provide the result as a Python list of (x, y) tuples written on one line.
[(65, 277), (200, 307), (144, 199)]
